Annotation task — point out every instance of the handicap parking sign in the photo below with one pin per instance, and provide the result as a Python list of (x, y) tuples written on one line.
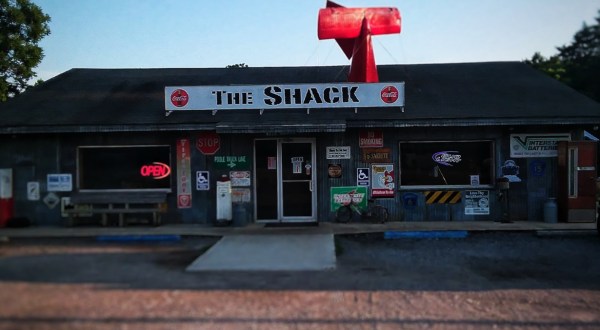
[(202, 180), (363, 177)]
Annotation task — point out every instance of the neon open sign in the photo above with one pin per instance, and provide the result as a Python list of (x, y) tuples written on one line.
[(156, 170)]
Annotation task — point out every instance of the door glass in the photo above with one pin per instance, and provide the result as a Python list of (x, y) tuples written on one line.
[(266, 179), (572, 172), (296, 174)]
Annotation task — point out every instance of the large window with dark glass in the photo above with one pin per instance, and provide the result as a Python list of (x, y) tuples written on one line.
[(124, 167), (444, 163)]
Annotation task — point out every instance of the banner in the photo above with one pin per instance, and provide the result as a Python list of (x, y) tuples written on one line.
[(341, 196), (536, 145), (184, 175), (274, 96)]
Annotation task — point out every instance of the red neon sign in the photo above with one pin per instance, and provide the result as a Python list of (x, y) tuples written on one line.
[(156, 170)]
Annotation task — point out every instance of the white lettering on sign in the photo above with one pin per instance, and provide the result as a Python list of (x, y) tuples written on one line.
[(332, 95)]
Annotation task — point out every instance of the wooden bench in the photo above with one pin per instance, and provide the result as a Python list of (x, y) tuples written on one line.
[(119, 203)]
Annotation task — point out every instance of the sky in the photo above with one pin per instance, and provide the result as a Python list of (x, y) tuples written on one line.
[(210, 33)]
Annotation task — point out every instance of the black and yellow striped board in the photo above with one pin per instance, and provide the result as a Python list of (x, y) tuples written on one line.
[(442, 197)]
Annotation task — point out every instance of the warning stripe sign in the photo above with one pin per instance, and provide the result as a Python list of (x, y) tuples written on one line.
[(442, 197)]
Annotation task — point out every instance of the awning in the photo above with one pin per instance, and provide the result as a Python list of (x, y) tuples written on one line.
[(281, 127)]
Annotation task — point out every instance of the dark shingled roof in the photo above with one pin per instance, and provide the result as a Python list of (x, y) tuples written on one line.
[(494, 93)]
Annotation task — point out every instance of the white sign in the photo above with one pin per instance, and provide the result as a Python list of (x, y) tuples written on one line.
[(202, 180), (240, 195), (59, 182), (536, 145), (274, 96), (477, 202), (338, 152), (475, 180), (33, 191), (240, 178)]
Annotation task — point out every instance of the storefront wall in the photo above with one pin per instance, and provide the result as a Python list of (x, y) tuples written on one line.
[(33, 157)]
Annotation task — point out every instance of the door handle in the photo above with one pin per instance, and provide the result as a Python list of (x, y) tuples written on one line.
[(310, 186)]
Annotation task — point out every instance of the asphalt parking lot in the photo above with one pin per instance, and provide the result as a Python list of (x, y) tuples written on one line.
[(503, 280)]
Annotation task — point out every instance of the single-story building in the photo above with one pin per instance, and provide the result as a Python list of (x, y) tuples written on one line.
[(455, 142)]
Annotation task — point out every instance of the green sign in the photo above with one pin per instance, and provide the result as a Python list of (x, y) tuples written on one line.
[(345, 195), (231, 162)]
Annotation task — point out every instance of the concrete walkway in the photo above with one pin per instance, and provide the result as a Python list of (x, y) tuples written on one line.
[(259, 229), (291, 252)]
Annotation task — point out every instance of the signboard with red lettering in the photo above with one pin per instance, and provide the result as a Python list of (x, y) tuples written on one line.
[(370, 139), (208, 143), (184, 178)]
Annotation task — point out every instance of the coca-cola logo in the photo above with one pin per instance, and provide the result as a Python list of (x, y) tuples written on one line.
[(389, 94), (179, 98)]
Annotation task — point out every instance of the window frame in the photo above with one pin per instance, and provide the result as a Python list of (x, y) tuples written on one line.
[(492, 169), (78, 168)]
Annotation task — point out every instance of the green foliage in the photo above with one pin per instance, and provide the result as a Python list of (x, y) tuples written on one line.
[(22, 26), (576, 64), (239, 65)]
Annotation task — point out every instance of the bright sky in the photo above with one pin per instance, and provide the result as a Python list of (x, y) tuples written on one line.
[(194, 33)]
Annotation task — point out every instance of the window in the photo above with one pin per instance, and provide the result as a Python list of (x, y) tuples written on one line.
[(446, 163), (124, 167)]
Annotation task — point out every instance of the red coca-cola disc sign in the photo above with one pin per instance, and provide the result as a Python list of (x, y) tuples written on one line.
[(179, 98), (389, 94)]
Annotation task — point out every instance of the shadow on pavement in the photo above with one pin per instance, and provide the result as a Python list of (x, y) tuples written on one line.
[(489, 261)]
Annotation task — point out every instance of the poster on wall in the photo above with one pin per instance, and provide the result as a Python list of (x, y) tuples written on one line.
[(382, 182), (477, 202), (341, 196), (184, 178), (536, 145)]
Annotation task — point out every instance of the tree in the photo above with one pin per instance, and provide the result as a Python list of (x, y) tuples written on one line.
[(576, 64), (240, 65), (22, 27)]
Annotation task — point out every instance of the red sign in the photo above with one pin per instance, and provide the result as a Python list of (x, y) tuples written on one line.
[(156, 170), (389, 94), (370, 139), (208, 143), (179, 98), (184, 182), (184, 201)]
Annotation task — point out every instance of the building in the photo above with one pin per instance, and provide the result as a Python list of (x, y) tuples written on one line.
[(436, 157)]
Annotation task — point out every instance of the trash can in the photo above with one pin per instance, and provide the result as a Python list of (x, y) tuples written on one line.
[(550, 211)]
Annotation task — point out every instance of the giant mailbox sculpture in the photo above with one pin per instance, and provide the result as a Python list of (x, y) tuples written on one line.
[(352, 28)]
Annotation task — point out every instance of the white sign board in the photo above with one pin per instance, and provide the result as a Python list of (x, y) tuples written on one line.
[(338, 152), (240, 178), (33, 191), (59, 182), (274, 96), (477, 202), (536, 145)]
